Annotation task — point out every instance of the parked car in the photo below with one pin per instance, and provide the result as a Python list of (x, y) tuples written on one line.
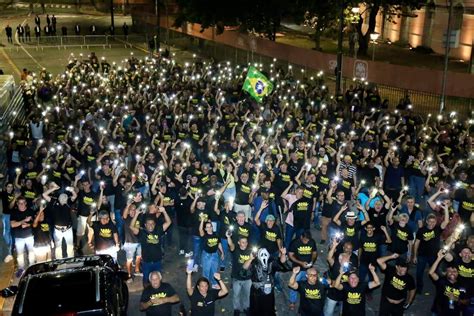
[(87, 285)]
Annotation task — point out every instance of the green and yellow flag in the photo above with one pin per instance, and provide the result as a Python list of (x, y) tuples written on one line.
[(257, 85)]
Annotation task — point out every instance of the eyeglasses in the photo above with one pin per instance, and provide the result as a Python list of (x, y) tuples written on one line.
[(312, 275)]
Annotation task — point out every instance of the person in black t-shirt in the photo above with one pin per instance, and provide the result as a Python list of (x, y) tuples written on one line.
[(183, 221), (303, 214), (450, 294), (354, 291), (149, 238), (270, 234), (312, 292), (42, 236), (203, 298), (370, 246), (156, 299), (350, 228), (241, 282), (243, 194), (210, 245), (131, 246), (20, 220), (398, 291), (59, 214), (303, 252), (104, 232), (402, 235), (86, 199), (8, 202), (426, 245)]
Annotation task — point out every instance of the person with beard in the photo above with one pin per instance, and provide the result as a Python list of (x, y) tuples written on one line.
[(263, 269)]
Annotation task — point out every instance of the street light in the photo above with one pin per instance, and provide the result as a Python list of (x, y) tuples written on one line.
[(374, 37)]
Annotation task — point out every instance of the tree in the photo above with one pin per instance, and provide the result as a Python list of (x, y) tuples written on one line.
[(390, 8), (320, 15)]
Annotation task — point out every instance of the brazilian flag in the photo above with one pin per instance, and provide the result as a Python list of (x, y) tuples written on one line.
[(257, 85)]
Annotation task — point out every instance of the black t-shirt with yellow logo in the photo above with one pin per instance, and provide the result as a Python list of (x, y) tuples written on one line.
[(164, 291), (84, 202), (302, 210), (269, 237), (466, 205), (395, 286), (312, 298), (354, 299), (150, 242), (210, 243), (351, 233), (429, 241), (466, 275), (104, 235), (242, 231), (370, 248), (444, 291), (204, 306), (242, 193), (239, 257), (42, 235), (400, 237), (303, 252)]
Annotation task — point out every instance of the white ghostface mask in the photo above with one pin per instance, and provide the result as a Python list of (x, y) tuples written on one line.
[(263, 257)]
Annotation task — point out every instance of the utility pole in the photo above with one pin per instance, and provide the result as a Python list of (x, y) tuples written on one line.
[(442, 102), (339, 49)]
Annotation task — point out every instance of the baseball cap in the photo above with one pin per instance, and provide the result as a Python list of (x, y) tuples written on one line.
[(269, 218)]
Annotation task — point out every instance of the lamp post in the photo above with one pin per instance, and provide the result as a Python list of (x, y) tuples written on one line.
[(374, 37)]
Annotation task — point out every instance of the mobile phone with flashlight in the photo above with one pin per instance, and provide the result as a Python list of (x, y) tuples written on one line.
[(190, 264)]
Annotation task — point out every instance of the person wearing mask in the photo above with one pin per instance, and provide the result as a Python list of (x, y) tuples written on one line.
[(450, 293), (158, 298), (21, 219), (303, 253), (354, 291), (203, 298), (262, 269), (150, 240), (398, 290)]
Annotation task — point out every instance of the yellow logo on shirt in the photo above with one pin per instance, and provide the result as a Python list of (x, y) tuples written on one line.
[(212, 242), (152, 239), (105, 233), (354, 298), (464, 271), (402, 235), (428, 235), (370, 247), (305, 250), (397, 283), (271, 236), (312, 294)]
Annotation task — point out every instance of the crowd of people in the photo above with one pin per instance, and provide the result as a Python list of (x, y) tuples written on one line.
[(23, 31), (152, 156)]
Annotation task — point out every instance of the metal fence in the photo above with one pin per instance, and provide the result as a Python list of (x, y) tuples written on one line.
[(105, 41), (423, 102)]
